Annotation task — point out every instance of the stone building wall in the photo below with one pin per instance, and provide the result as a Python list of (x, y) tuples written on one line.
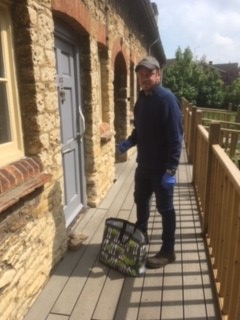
[(99, 156)]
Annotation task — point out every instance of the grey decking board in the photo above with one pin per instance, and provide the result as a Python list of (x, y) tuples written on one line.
[(50, 293), (180, 291), (127, 172), (57, 317), (128, 306), (76, 282)]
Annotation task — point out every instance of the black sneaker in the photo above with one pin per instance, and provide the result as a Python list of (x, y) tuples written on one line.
[(160, 260)]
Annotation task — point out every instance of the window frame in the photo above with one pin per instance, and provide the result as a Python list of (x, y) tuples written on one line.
[(13, 150)]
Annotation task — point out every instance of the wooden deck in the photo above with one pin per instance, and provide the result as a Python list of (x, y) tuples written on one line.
[(81, 288)]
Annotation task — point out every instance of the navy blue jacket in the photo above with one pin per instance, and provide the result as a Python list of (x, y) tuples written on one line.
[(158, 130)]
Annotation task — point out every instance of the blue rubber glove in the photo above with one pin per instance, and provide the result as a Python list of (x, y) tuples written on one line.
[(168, 180), (124, 146)]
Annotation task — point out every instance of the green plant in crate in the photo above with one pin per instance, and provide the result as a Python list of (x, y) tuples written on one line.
[(128, 261)]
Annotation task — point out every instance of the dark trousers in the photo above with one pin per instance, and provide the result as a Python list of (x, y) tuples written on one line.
[(147, 183)]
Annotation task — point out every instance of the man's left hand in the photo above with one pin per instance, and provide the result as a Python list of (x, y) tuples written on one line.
[(168, 180)]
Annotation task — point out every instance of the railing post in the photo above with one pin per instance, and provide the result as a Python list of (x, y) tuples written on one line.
[(192, 134), (198, 120), (238, 115), (188, 126), (214, 138), (184, 105), (230, 107)]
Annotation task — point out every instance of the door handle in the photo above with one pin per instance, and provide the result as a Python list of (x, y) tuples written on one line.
[(67, 151), (83, 124), (62, 95)]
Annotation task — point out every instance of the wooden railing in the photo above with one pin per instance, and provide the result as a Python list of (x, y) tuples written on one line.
[(229, 136), (229, 139), (216, 180), (218, 114)]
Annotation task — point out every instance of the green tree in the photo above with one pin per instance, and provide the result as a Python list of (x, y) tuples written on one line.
[(211, 91), (180, 76), (196, 81), (233, 93)]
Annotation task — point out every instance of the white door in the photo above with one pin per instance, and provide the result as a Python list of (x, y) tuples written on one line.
[(72, 126)]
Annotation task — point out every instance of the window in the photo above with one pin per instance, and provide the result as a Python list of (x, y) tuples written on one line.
[(11, 146)]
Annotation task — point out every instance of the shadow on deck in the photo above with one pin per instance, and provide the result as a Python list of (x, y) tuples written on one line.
[(81, 288)]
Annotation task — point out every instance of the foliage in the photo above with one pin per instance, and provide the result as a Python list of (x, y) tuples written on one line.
[(211, 91), (196, 81), (180, 76), (233, 93)]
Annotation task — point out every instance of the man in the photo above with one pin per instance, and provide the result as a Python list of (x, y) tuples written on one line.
[(158, 137)]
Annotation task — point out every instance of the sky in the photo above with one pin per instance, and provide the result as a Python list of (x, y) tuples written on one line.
[(210, 28)]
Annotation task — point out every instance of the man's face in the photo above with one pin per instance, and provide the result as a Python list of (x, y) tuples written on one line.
[(148, 78)]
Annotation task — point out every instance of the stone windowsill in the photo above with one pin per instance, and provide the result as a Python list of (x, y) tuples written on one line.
[(19, 179)]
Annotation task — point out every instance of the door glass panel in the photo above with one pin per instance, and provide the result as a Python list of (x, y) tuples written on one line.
[(5, 134)]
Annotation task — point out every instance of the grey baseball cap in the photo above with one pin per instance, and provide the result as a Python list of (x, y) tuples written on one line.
[(149, 62)]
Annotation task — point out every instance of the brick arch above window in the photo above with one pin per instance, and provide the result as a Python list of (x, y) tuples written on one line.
[(77, 15), (118, 46)]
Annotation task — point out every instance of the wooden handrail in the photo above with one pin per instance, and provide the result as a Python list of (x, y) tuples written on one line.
[(216, 181)]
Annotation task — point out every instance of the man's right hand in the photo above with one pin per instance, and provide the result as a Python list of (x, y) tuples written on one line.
[(124, 146)]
